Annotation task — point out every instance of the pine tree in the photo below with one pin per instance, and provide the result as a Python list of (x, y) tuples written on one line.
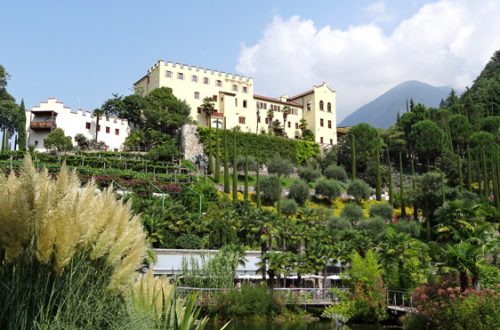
[(217, 157), (227, 188), (235, 169), (21, 127), (401, 186), (460, 175), (378, 178)]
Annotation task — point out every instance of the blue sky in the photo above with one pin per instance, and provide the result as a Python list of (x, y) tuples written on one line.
[(82, 51)]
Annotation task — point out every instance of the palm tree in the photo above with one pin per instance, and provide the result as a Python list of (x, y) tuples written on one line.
[(208, 108), (286, 112), (98, 114)]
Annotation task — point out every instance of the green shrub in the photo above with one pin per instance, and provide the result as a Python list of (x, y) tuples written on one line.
[(249, 302), (188, 241), (270, 189), (327, 188), (299, 192), (358, 189), (409, 227), (374, 226), (341, 224), (264, 147), (288, 207), (279, 166), (353, 213), (336, 172), (383, 210), (309, 174)]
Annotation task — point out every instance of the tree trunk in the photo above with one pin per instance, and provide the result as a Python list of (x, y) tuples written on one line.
[(464, 281), (401, 186)]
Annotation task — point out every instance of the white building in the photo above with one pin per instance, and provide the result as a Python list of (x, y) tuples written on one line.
[(45, 117), (233, 97)]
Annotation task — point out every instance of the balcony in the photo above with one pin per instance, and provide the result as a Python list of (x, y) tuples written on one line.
[(43, 125)]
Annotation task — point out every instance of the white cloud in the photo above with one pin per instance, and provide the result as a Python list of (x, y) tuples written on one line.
[(377, 12), (443, 43)]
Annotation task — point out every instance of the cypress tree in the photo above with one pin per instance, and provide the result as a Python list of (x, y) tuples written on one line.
[(469, 169), (378, 179), (494, 180), (486, 184), (210, 169), (401, 187), (442, 187), (227, 188), (245, 192), (389, 176), (21, 127), (257, 186), (460, 176), (415, 208), (353, 157), (2, 146), (235, 169), (217, 157)]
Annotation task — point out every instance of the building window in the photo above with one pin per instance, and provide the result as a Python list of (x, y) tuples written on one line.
[(198, 110), (87, 125), (168, 74), (197, 95), (258, 119), (241, 120), (308, 105), (206, 81), (117, 131), (321, 140), (214, 98), (245, 89), (194, 78), (180, 75), (329, 107), (98, 128), (244, 103), (321, 122), (331, 142), (108, 129), (235, 102), (321, 105), (235, 88), (289, 124), (267, 120), (296, 125), (218, 83), (329, 124)]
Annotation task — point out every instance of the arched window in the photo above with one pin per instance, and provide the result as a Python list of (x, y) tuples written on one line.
[(329, 107), (321, 105)]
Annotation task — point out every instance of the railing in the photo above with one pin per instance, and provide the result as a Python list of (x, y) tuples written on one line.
[(43, 124), (400, 301), (290, 296)]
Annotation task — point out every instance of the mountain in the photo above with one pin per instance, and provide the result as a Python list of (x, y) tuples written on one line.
[(382, 111)]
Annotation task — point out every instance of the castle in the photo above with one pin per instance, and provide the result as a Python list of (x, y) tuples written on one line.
[(233, 97)]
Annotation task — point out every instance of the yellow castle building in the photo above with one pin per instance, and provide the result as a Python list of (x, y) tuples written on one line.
[(233, 97)]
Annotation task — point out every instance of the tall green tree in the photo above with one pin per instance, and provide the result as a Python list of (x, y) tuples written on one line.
[(21, 127), (227, 188), (429, 140), (217, 157), (378, 174), (235, 169)]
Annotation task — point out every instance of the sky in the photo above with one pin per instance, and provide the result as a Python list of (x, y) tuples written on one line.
[(82, 52)]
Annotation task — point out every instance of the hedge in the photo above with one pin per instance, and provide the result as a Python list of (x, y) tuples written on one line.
[(263, 147)]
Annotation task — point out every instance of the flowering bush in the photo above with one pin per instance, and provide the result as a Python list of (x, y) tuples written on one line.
[(451, 308)]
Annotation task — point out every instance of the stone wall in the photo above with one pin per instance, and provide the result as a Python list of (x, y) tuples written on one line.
[(190, 145)]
